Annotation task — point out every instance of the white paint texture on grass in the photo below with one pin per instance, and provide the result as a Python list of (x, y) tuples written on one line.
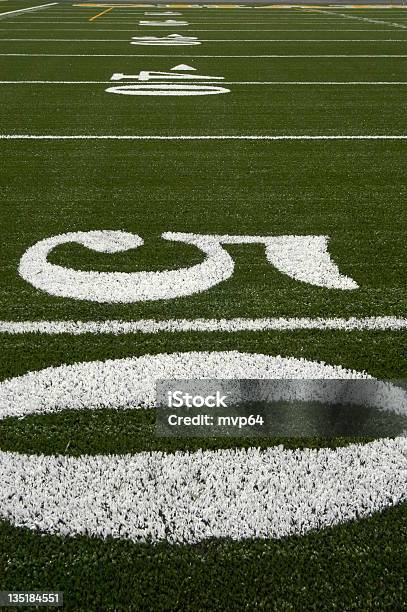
[(123, 286), (303, 258), (130, 382), (172, 40), (271, 55), (271, 137), (167, 89), (154, 326), (189, 497)]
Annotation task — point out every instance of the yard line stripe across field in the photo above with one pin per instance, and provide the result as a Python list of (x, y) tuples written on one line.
[(237, 40), (149, 326), (367, 19), (72, 19), (127, 82), (203, 27), (207, 56), (192, 29), (206, 40), (29, 8), (200, 137)]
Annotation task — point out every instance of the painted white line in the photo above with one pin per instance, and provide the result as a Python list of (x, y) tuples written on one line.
[(56, 18), (65, 20), (153, 326), (327, 55), (251, 40), (366, 19), (199, 137), (25, 10), (96, 29), (207, 82)]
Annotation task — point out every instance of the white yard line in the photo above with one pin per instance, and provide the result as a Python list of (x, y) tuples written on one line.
[(199, 137), (151, 326), (95, 29), (27, 9), (147, 29), (57, 18), (328, 55), (209, 81), (366, 19), (251, 40)]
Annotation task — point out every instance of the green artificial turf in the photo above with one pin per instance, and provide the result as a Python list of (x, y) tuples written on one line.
[(357, 566), (352, 191), (131, 431)]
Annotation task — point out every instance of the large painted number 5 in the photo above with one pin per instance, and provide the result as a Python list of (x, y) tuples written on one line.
[(304, 258)]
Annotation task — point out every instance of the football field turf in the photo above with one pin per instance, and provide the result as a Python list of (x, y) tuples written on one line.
[(272, 189)]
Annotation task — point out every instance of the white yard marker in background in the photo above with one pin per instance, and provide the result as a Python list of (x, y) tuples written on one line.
[(168, 23), (185, 67), (163, 13), (172, 40), (368, 19), (166, 89), (27, 9), (154, 75)]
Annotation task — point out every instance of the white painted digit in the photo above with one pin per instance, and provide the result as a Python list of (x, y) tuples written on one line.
[(167, 89), (192, 496), (124, 287), (303, 258), (172, 40), (154, 75)]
